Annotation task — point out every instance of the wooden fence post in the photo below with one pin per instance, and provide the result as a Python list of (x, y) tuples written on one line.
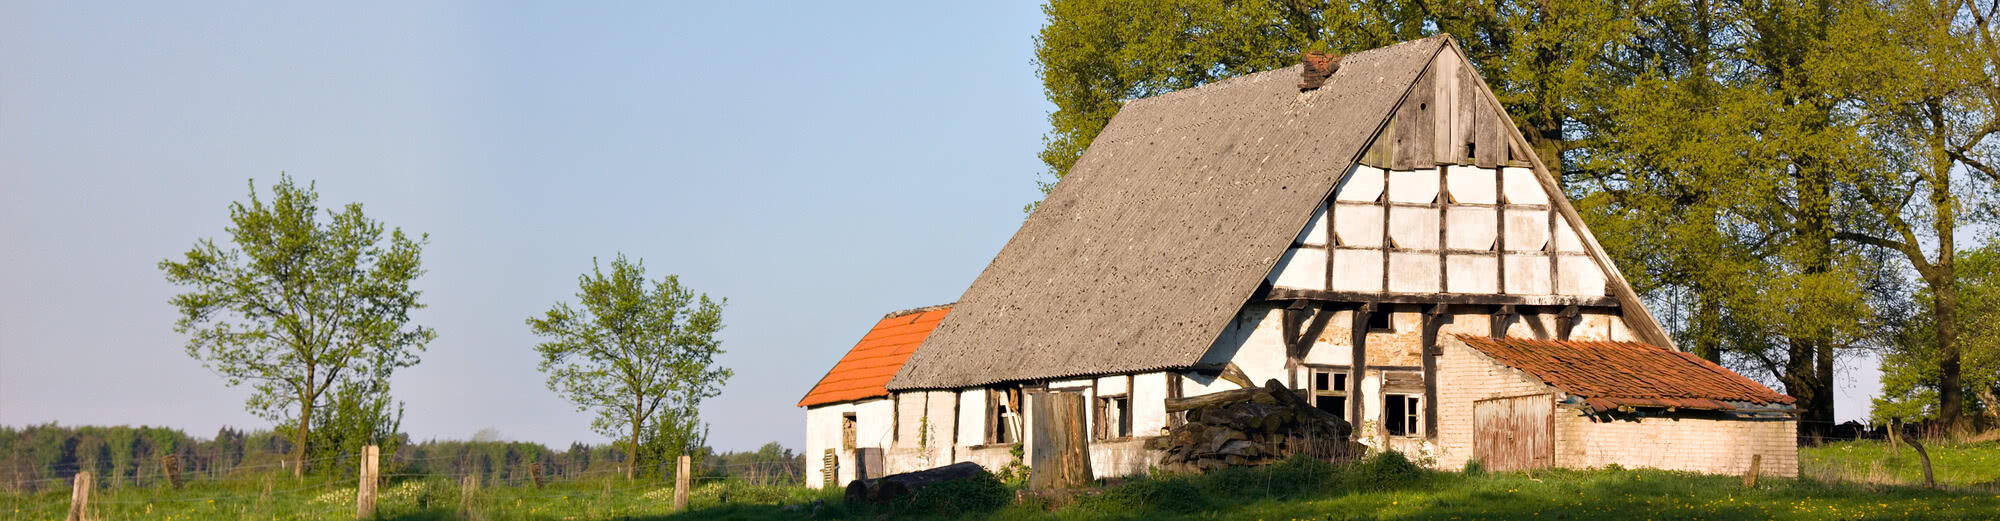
[(1750, 478), (79, 498), (535, 473), (682, 481), (468, 490), (171, 466), (364, 496)]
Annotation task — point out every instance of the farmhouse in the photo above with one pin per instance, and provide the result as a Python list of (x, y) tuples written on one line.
[(850, 417), (1371, 231)]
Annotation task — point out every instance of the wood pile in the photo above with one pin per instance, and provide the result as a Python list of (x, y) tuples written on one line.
[(1251, 426)]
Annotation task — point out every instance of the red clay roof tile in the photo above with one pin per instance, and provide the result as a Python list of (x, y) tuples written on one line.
[(874, 360), (1609, 375)]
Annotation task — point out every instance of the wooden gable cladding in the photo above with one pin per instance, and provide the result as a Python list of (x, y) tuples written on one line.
[(1444, 121)]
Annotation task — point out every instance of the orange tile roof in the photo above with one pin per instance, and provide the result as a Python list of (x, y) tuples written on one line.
[(1609, 375), (873, 361)]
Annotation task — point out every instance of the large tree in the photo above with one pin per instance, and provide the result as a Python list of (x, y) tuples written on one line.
[(300, 303), (640, 353), (1920, 80)]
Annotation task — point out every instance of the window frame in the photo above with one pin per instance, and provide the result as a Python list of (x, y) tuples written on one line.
[(1337, 376)]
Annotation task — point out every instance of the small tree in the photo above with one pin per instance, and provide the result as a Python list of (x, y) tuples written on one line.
[(641, 353), (300, 305)]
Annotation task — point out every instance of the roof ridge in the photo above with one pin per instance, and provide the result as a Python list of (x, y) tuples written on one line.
[(913, 311)]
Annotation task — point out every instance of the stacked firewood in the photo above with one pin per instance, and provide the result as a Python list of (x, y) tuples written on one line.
[(1251, 426)]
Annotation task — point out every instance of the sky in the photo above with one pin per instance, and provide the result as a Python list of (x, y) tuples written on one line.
[(817, 164)]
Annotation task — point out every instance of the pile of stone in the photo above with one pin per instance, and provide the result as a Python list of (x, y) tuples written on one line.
[(1251, 426)]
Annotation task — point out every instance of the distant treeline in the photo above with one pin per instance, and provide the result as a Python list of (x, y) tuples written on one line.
[(47, 456)]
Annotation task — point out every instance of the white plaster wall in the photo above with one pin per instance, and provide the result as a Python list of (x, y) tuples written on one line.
[(1358, 226), (1413, 272), (1521, 187), (1471, 184), (1578, 275), (1301, 269), (1413, 186), (1254, 341), (1357, 270), (1315, 232), (1567, 240), (943, 418), (1470, 228), (871, 421), (1478, 274), (1527, 230), (1413, 228), (1111, 385), (1362, 184), (1527, 274)]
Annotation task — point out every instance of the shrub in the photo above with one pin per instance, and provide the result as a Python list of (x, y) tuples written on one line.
[(1172, 494), (981, 493), (1384, 470), (1474, 467)]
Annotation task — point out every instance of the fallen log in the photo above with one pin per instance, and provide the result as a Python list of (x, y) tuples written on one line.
[(887, 488)]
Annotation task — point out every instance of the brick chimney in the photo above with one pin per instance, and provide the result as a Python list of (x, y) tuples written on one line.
[(1318, 67)]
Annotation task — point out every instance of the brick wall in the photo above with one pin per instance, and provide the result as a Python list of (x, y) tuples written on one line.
[(1466, 376), (1691, 440)]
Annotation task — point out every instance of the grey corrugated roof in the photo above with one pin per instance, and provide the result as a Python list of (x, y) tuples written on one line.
[(1165, 226)]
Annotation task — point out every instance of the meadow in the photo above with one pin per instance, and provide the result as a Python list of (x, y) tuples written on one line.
[(1849, 480)]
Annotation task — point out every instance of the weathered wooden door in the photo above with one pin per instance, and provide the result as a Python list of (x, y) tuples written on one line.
[(1514, 433)]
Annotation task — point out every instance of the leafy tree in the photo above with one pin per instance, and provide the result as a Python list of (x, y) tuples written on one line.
[(1920, 81), (300, 305), (1910, 368), (641, 353)]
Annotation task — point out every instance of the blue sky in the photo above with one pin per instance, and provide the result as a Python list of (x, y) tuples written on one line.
[(818, 164)]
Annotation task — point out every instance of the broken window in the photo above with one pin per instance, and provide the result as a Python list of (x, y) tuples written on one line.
[(1003, 417), (1400, 413), (1114, 417), (1380, 320), (847, 431), (1329, 390)]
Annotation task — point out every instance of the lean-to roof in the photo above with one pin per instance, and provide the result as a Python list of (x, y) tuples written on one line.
[(869, 365), (1610, 375), (1163, 229)]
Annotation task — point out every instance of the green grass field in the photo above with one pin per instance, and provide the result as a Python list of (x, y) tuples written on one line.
[(1858, 480)]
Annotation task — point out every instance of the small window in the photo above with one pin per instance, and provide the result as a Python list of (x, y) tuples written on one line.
[(847, 431), (1380, 320), (1329, 391), (1114, 417), (1400, 413)]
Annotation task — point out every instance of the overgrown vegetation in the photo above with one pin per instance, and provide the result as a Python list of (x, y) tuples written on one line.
[(1379, 487)]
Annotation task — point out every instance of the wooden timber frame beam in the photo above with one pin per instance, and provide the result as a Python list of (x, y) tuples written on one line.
[(1566, 322), (1468, 299), (1359, 367), (1435, 318), (1503, 316), (1299, 342)]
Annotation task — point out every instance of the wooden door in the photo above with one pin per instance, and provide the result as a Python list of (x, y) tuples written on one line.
[(1514, 433)]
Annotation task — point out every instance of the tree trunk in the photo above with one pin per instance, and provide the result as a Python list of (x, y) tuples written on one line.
[(1944, 304), (305, 428), (632, 459)]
